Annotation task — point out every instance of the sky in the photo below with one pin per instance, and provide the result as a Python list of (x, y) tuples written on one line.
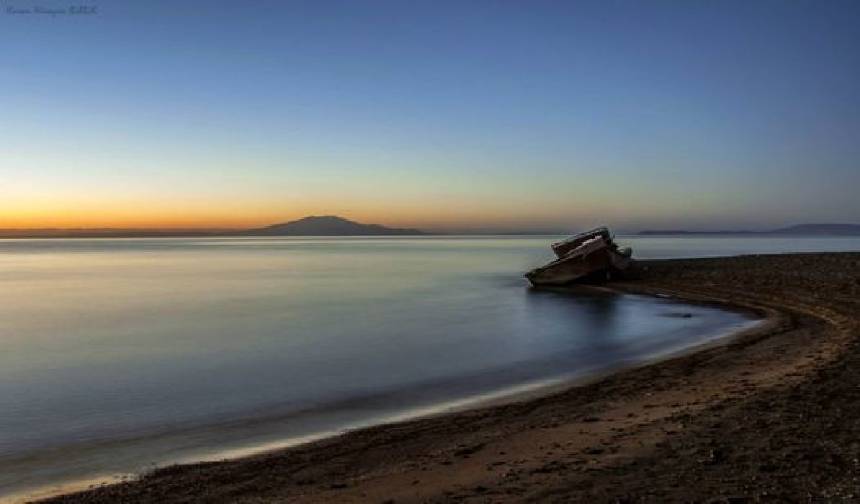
[(446, 116)]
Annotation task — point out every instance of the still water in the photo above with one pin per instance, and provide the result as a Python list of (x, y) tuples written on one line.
[(117, 354)]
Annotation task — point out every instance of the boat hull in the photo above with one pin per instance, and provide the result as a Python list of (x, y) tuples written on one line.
[(592, 255), (570, 269)]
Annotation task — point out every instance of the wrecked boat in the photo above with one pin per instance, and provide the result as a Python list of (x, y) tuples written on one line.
[(564, 247), (590, 255)]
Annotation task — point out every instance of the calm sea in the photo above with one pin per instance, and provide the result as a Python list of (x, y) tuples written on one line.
[(118, 354)]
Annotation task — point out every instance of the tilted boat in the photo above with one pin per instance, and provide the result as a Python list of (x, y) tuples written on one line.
[(562, 248), (593, 254)]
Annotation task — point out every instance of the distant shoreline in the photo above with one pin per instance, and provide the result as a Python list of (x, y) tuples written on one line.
[(797, 230), (14, 236), (320, 226), (200, 234)]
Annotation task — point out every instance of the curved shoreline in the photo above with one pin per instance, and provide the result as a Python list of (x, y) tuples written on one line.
[(525, 391), (654, 431)]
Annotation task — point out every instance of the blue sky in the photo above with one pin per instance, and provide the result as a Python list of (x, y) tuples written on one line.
[(443, 115)]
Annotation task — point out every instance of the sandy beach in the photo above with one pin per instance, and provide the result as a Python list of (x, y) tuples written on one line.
[(772, 415)]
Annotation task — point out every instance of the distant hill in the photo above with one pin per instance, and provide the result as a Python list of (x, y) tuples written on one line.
[(676, 232), (797, 230), (328, 225), (821, 229)]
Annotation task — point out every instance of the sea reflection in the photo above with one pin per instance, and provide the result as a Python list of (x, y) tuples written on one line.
[(121, 353)]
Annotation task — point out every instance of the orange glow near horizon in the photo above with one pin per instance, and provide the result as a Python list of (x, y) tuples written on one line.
[(443, 208), (160, 215), (130, 219), (130, 216)]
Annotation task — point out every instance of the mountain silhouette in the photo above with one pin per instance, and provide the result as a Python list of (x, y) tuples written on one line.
[(796, 230), (329, 225)]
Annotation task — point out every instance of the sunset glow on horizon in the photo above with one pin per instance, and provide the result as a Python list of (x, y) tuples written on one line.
[(440, 116)]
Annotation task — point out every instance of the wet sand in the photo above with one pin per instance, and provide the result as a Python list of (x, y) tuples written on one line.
[(772, 415)]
